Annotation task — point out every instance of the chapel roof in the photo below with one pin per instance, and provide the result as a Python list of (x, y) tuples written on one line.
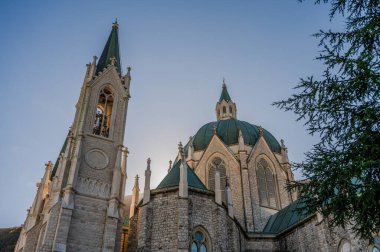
[(172, 178), (286, 218)]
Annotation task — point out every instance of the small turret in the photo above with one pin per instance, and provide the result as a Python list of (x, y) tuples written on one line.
[(135, 196), (225, 108), (183, 184), (148, 173)]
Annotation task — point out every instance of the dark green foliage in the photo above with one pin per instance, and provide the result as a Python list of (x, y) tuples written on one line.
[(343, 108), (8, 238)]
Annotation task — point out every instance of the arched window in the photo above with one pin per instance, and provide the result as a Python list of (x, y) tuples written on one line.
[(266, 184), (231, 109), (224, 110), (200, 241), (344, 246), (103, 115), (217, 164)]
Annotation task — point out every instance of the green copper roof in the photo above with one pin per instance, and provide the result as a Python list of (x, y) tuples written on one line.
[(172, 178), (224, 95), (285, 218), (228, 132), (57, 162), (110, 51)]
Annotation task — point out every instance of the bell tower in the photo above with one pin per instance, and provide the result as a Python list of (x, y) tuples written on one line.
[(82, 211)]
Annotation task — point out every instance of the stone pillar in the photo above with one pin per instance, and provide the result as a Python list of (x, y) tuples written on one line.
[(218, 191), (190, 152), (113, 202), (124, 170), (135, 196), (183, 185), (229, 198), (146, 197), (247, 197), (68, 196)]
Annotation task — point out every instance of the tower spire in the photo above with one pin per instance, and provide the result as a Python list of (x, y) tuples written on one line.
[(110, 54)]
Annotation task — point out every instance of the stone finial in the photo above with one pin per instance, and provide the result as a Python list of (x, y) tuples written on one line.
[(113, 61), (180, 151), (170, 165), (148, 173), (115, 25), (241, 140), (129, 71), (282, 143), (135, 196), (214, 128), (148, 164), (261, 131), (136, 180)]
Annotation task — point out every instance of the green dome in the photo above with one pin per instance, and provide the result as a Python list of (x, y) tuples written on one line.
[(228, 132)]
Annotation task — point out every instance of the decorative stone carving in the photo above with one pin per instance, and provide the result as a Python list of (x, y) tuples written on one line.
[(93, 187), (97, 159)]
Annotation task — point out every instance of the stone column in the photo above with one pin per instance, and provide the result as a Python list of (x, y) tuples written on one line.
[(146, 197), (124, 170), (183, 185)]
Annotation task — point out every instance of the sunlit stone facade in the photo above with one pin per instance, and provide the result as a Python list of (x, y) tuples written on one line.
[(224, 192)]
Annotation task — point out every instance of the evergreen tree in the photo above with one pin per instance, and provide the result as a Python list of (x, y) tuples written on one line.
[(343, 108)]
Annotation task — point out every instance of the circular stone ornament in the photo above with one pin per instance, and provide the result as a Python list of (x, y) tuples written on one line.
[(97, 159)]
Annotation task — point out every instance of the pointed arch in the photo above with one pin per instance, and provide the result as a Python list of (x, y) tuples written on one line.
[(104, 111), (200, 240), (266, 183), (217, 163)]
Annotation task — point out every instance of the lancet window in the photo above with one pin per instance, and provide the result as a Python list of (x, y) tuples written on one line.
[(200, 241), (217, 164), (103, 114), (266, 185)]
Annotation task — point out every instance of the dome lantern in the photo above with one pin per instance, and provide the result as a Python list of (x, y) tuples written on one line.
[(225, 107)]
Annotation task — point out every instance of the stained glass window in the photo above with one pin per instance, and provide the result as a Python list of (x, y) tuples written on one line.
[(266, 184), (200, 242)]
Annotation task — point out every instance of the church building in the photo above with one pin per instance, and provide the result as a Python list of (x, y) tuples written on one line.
[(225, 191)]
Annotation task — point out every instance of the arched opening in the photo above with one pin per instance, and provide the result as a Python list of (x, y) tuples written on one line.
[(344, 246), (230, 109), (217, 164), (200, 240), (266, 184), (224, 110), (103, 114)]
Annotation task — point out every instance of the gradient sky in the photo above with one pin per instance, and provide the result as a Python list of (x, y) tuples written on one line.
[(179, 52)]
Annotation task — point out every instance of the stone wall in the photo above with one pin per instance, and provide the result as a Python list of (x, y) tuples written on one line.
[(166, 223), (87, 224)]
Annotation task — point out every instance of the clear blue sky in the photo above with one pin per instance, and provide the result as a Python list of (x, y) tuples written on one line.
[(179, 52)]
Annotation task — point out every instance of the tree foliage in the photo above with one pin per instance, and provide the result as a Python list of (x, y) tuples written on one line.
[(343, 108)]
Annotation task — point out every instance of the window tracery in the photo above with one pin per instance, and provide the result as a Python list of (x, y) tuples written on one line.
[(266, 185), (103, 114), (200, 242)]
